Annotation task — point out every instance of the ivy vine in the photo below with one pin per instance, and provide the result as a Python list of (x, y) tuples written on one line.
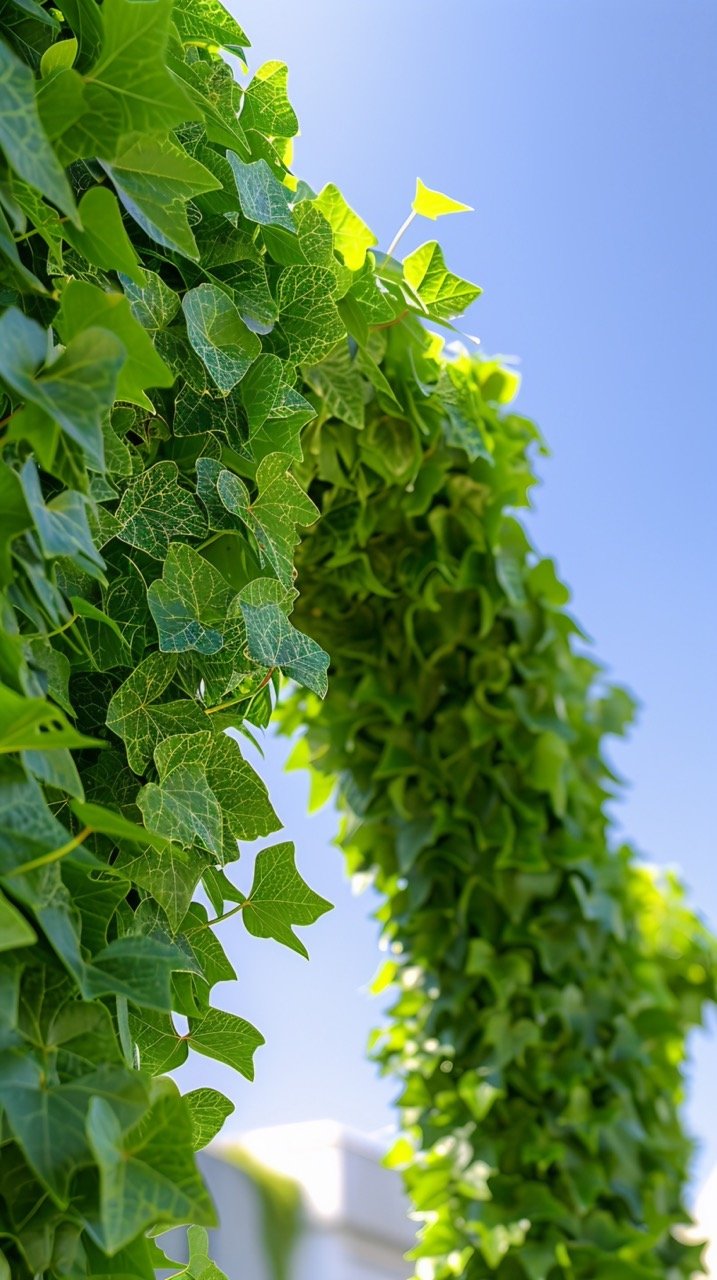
[(201, 360)]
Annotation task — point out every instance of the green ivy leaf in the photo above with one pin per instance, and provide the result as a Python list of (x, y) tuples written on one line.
[(154, 509), (433, 204), (152, 302), (212, 88), (138, 968), (275, 410), (103, 239), (75, 389), (208, 795), (142, 712), (262, 197), (208, 1109), (58, 56), (61, 524), (23, 138), (275, 643), (131, 68), (246, 808), (83, 307), (189, 603), (280, 898), (170, 874), (374, 304), (48, 1120), (266, 103), (309, 318), (272, 516), (219, 336), (352, 237), (206, 22), (182, 805), (147, 1173), (226, 1038), (443, 294), (200, 1265), (337, 379), (462, 405), (154, 178)]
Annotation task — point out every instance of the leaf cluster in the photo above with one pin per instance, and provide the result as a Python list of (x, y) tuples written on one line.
[(160, 285), (543, 979)]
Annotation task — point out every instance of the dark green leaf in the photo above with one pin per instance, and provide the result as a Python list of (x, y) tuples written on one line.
[(154, 509), (86, 307), (74, 389), (154, 178), (227, 1038), (103, 238), (279, 898), (22, 137), (147, 1174), (219, 336)]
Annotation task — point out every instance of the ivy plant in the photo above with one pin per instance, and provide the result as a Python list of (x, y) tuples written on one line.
[(162, 282), (206, 370), (542, 978)]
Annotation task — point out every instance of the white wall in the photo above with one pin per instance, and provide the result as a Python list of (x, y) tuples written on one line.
[(354, 1215)]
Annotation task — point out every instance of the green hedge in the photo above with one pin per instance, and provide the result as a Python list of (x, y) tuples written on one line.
[(187, 336), (545, 979)]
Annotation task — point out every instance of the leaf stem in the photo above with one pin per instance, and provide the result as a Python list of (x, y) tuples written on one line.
[(209, 924), (48, 635), (212, 538), (55, 854), (388, 324), (234, 702), (36, 232), (400, 233)]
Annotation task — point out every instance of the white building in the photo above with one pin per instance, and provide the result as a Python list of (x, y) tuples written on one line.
[(353, 1217)]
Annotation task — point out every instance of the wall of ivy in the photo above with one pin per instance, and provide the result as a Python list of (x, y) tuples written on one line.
[(200, 360)]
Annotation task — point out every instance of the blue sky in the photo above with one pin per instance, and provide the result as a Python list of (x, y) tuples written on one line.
[(584, 135)]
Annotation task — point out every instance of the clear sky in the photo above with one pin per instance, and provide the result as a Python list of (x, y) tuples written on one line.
[(584, 133)]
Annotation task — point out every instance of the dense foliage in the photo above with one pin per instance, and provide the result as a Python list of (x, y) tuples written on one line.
[(158, 293), (545, 979), (187, 336)]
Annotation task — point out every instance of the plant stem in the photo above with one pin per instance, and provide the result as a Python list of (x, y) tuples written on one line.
[(55, 854), (209, 924), (48, 635), (400, 233), (234, 702), (213, 538)]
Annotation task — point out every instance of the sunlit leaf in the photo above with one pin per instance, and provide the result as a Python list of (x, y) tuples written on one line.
[(433, 204)]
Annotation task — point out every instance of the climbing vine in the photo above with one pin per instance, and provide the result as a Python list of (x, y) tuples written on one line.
[(201, 360), (543, 979)]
